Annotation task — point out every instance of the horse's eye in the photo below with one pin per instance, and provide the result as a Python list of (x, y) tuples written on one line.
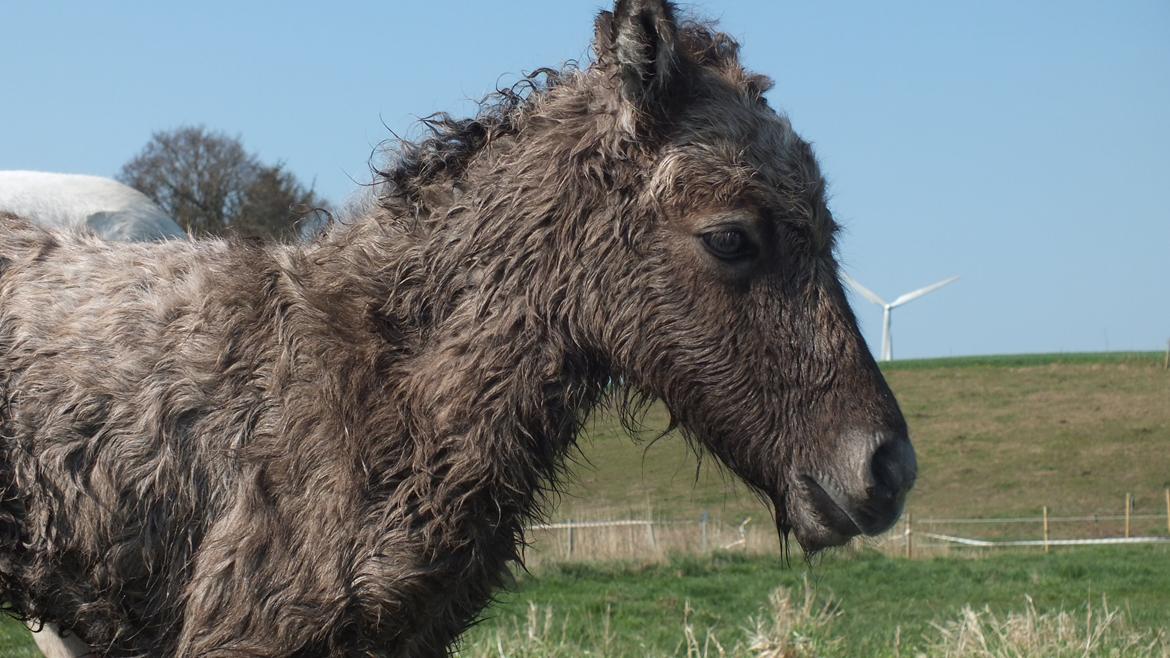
[(729, 244)]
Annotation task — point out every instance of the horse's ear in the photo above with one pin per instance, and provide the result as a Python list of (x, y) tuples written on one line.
[(638, 39)]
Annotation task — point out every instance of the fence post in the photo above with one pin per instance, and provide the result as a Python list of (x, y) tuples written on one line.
[(1046, 548), (1168, 510), (1128, 511), (569, 537), (650, 534), (1166, 361), (706, 515), (909, 536)]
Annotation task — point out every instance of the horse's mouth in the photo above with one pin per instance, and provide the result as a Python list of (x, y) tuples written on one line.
[(822, 516), (830, 507)]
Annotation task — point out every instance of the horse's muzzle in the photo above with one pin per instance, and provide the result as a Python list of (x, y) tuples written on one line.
[(863, 494)]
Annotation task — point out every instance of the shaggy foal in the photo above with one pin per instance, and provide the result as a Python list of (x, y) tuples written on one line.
[(218, 448)]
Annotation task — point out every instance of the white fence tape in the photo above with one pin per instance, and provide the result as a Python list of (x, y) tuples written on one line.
[(595, 524), (1035, 519), (900, 536), (964, 541)]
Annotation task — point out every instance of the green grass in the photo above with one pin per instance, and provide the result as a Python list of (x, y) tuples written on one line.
[(640, 608), (15, 640), (1026, 360)]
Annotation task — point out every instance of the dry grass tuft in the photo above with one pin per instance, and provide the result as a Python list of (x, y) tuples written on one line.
[(540, 635), (794, 629), (1094, 632), (798, 624)]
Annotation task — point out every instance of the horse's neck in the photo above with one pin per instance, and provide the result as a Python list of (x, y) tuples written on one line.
[(501, 402), (490, 396)]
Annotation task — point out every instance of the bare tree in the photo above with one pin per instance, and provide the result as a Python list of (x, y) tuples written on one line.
[(210, 185), (273, 203)]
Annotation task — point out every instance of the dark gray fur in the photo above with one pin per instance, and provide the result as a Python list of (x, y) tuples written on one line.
[(225, 448)]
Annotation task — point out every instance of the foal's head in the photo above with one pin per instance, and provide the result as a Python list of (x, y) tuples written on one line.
[(655, 211), (724, 299)]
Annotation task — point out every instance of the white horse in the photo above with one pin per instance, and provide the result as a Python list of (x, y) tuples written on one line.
[(102, 206)]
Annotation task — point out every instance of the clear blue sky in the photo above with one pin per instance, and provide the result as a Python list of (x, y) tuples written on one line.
[(1024, 146)]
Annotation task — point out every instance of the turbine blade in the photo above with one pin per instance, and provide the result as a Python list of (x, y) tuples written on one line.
[(911, 296), (863, 291)]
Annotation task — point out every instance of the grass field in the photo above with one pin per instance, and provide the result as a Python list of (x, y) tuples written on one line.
[(620, 610)]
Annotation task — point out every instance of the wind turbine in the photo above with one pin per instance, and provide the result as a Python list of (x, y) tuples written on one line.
[(888, 307)]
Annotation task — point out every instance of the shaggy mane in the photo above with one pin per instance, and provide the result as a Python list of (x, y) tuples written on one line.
[(450, 144)]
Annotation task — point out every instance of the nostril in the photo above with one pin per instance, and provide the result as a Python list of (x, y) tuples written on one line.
[(894, 467)]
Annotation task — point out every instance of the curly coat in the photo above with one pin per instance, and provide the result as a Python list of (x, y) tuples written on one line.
[(226, 448)]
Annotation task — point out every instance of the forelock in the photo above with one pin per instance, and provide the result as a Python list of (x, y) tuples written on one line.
[(706, 47)]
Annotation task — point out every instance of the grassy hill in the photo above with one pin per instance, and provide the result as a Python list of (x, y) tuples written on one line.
[(996, 436)]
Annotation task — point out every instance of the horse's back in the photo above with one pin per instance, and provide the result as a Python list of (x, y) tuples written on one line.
[(102, 206), (72, 291)]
